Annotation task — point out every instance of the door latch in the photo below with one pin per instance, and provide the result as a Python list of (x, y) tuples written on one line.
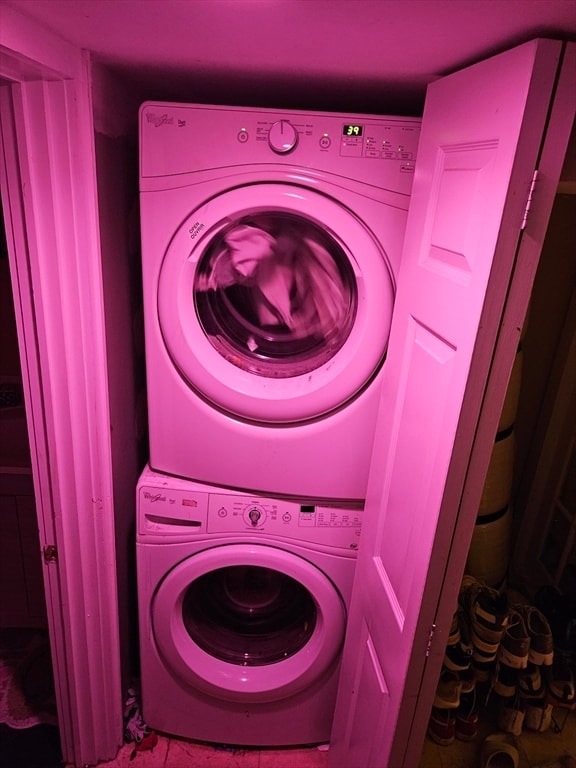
[(529, 201), (50, 553), (429, 643)]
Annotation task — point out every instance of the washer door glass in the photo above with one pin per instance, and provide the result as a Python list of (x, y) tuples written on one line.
[(275, 303), (248, 622), (249, 615), (275, 294)]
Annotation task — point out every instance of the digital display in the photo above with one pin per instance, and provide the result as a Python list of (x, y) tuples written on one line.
[(352, 130), (307, 508)]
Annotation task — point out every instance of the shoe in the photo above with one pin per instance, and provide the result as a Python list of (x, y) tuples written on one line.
[(514, 648), (511, 715), (484, 653), (454, 636), (498, 751), (483, 671), (538, 715), (560, 684), (458, 654), (504, 680), (467, 716), (487, 611), (530, 683), (448, 691), (468, 680), (560, 612), (540, 635), (441, 726)]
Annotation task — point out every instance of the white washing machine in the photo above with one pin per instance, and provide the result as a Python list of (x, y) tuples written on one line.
[(271, 242), (242, 603)]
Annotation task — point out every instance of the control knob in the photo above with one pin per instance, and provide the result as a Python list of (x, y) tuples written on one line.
[(254, 516), (282, 137)]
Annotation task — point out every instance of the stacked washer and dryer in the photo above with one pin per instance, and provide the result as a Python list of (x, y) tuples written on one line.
[(271, 243)]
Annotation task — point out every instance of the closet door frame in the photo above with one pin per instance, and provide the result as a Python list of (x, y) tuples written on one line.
[(49, 195)]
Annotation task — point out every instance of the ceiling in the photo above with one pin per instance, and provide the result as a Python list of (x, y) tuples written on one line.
[(330, 54)]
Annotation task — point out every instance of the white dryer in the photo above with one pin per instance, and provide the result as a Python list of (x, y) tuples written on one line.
[(243, 604), (270, 243)]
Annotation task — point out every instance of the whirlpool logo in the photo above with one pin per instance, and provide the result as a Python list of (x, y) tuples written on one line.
[(154, 497), (158, 120)]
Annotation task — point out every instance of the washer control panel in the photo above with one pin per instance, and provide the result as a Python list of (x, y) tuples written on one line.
[(190, 511)]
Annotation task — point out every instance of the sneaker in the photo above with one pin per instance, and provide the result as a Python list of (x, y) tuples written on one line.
[(504, 680), (484, 652), (482, 671), (448, 691), (468, 680), (511, 715), (530, 683), (467, 716), (490, 615), (487, 611), (442, 726), (538, 715), (560, 684), (540, 634), (458, 654), (560, 612), (515, 645), (454, 635)]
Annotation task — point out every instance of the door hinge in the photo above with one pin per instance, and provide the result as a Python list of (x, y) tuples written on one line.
[(50, 553), (430, 636), (529, 200)]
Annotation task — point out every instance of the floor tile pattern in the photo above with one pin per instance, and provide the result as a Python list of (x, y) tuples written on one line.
[(176, 753)]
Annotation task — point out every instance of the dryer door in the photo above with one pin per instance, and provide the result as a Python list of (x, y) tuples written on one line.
[(248, 622), (275, 303)]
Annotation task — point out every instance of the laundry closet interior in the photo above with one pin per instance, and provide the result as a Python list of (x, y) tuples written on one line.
[(538, 545)]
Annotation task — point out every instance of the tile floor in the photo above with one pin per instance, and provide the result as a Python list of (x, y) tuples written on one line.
[(176, 753), (535, 750)]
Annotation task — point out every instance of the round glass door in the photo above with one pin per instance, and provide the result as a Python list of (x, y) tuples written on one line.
[(275, 303), (249, 615), (275, 294), (248, 622)]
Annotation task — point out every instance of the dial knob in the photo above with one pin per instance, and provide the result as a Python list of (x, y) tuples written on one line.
[(282, 137), (254, 516)]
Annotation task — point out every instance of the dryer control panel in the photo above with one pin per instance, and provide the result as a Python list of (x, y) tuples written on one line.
[(190, 510), (177, 139)]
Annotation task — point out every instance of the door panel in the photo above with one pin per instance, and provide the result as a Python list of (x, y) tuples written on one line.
[(369, 703), (464, 224)]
